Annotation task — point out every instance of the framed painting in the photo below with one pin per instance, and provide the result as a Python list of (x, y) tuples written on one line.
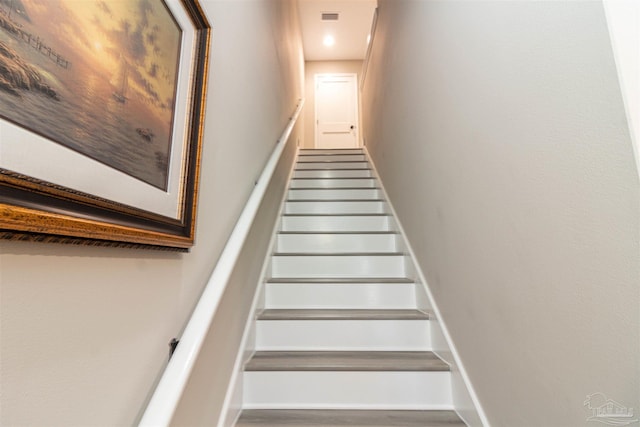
[(101, 120)]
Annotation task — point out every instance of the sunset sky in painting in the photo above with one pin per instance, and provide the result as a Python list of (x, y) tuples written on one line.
[(101, 33)]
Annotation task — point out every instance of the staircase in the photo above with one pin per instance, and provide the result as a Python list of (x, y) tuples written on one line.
[(341, 340)]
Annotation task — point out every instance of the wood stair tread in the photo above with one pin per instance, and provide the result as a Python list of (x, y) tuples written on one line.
[(311, 178), (335, 169), (334, 200), (332, 188), (342, 314), (328, 150), (335, 215), (341, 254), (333, 161), (339, 232), (345, 280), (346, 417), (345, 361)]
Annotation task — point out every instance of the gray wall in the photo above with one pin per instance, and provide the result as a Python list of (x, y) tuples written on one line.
[(500, 134), (85, 331)]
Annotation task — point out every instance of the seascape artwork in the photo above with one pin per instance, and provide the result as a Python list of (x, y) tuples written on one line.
[(95, 76)]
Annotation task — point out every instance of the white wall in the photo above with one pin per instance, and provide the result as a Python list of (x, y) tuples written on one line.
[(623, 17), (499, 131), (85, 331), (322, 67)]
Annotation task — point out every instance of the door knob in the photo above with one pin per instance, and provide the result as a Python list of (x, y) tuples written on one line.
[(352, 127)]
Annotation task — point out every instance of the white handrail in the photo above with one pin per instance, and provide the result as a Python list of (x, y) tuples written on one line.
[(163, 403)]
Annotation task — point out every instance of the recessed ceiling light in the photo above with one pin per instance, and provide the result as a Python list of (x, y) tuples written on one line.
[(329, 40)]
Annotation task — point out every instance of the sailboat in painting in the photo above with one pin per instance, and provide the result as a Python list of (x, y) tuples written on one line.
[(121, 82)]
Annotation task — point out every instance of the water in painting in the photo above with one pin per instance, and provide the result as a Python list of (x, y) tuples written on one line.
[(96, 76)]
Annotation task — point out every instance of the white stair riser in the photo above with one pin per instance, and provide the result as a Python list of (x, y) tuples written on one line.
[(361, 173), (335, 208), (343, 335), (329, 266), (340, 296), (332, 165), (355, 390), (331, 158), (336, 223), (333, 183), (334, 194), (306, 151), (326, 242)]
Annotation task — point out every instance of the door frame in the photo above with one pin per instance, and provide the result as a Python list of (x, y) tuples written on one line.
[(316, 82)]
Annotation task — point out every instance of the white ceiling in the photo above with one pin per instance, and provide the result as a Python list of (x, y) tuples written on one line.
[(350, 30)]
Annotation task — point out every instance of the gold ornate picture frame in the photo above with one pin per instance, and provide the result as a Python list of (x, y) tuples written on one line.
[(101, 120)]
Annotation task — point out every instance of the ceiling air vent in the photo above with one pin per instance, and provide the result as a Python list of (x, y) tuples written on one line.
[(330, 16)]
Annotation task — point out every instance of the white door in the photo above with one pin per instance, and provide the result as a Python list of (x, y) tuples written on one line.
[(336, 111)]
